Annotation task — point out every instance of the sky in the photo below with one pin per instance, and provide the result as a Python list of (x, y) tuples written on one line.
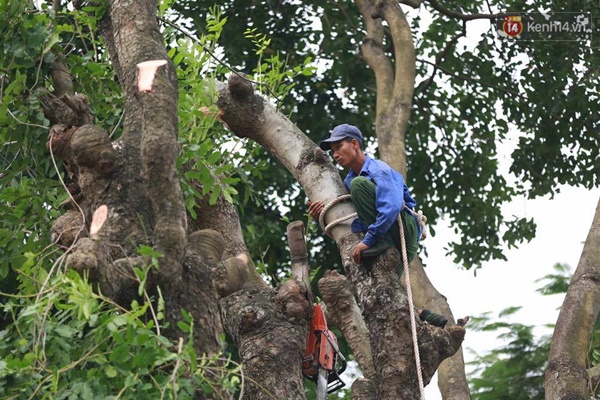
[(502, 284)]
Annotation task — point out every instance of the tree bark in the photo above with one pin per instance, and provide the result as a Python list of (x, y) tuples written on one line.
[(345, 313), (136, 178), (566, 373), (269, 328), (377, 286)]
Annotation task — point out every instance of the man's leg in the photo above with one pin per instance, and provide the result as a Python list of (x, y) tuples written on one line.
[(362, 191), (411, 232)]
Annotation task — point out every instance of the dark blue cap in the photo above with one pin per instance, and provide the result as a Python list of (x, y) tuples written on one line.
[(342, 132)]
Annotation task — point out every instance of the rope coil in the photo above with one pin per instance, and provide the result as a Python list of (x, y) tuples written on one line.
[(327, 228)]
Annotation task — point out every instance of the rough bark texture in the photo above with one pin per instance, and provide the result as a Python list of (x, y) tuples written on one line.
[(136, 178), (345, 314), (395, 87), (269, 328), (566, 374), (363, 389), (377, 286)]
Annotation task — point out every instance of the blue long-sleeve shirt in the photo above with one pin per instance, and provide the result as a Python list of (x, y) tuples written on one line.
[(391, 193)]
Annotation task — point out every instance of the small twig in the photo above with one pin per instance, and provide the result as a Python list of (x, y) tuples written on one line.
[(26, 123), (465, 17), (117, 125), (176, 367), (3, 174), (440, 58), (147, 298), (81, 36)]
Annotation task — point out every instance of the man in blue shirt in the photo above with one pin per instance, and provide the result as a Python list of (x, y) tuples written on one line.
[(379, 194)]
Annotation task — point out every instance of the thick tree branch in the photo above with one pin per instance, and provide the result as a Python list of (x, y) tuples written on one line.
[(378, 289), (248, 115), (345, 314), (372, 49), (575, 324), (393, 113), (138, 30), (404, 50)]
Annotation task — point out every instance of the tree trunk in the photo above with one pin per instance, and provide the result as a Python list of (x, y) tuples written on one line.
[(136, 178), (395, 87), (377, 286), (566, 374)]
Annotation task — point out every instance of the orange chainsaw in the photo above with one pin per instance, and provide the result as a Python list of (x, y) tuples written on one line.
[(321, 355)]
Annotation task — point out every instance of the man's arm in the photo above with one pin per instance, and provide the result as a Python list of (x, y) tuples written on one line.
[(388, 202)]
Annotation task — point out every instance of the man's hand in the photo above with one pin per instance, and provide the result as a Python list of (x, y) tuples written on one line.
[(315, 209), (357, 250)]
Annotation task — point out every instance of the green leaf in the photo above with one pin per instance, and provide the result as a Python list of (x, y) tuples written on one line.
[(54, 38), (110, 371)]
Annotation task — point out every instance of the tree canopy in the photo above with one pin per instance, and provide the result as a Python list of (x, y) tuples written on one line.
[(470, 98)]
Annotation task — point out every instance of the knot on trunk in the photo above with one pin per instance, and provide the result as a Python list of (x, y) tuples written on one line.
[(84, 256), (92, 148), (240, 108), (67, 228), (231, 275), (336, 291), (208, 243), (290, 300), (240, 86)]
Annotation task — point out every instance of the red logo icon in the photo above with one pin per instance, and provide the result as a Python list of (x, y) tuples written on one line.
[(512, 25)]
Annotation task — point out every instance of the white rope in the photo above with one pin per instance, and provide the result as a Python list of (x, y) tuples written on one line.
[(413, 323), (337, 221)]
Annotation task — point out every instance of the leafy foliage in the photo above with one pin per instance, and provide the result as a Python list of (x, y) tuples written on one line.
[(67, 342), (514, 371)]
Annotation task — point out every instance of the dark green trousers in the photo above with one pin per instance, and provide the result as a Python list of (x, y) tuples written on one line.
[(362, 191)]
